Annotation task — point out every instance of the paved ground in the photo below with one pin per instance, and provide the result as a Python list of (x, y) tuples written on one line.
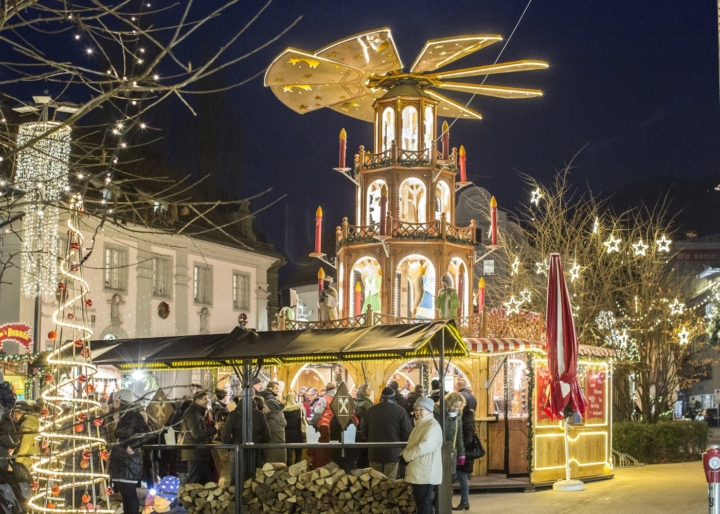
[(660, 488)]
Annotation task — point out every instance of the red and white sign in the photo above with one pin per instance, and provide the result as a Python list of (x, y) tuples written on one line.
[(21, 333), (542, 385), (595, 394)]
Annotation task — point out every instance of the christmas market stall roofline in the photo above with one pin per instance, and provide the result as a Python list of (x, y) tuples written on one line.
[(281, 347)]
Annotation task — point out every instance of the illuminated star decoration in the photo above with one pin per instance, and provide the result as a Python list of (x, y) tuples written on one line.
[(542, 267), (663, 244), (684, 336), (512, 306), (525, 296), (623, 339), (676, 307), (515, 266), (596, 226), (612, 244), (640, 247), (536, 196), (574, 272)]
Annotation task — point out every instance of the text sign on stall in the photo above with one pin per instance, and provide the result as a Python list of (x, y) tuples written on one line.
[(343, 406), (595, 393), (18, 332)]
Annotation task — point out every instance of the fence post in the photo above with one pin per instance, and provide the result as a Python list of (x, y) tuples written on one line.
[(239, 479)]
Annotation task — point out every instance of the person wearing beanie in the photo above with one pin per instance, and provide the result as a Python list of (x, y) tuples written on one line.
[(126, 463), (166, 500), (413, 397), (219, 407), (435, 391), (422, 455), (385, 422), (7, 396), (257, 384), (399, 398)]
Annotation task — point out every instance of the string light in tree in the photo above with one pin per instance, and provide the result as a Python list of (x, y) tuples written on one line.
[(70, 469), (525, 296), (676, 307), (596, 226), (663, 244), (574, 272), (541, 267), (640, 247), (42, 173), (612, 244), (536, 196), (623, 339), (512, 306), (684, 336), (515, 266)]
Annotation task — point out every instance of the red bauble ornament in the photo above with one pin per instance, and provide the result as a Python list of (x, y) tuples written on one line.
[(81, 417), (71, 315), (79, 428), (104, 454), (52, 335), (89, 389), (51, 505), (86, 454), (46, 451), (34, 486), (82, 378), (108, 490), (98, 422), (79, 343), (55, 490), (48, 378), (45, 443), (84, 463), (74, 246), (85, 498), (44, 412), (61, 285), (85, 352), (88, 303)]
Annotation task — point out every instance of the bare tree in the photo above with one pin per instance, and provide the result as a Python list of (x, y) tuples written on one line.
[(626, 289)]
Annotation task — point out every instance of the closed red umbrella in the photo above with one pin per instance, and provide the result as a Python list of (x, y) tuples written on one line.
[(562, 352), (562, 346)]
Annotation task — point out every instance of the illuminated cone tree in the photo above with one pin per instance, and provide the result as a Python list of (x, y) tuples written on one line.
[(70, 470)]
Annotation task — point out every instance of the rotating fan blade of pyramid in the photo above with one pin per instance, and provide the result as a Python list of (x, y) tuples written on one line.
[(496, 91), (491, 69), (441, 52), (450, 109)]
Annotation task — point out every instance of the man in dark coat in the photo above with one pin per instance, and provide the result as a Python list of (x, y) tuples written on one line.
[(233, 434), (199, 429), (219, 408), (470, 400), (399, 398), (435, 391), (386, 422)]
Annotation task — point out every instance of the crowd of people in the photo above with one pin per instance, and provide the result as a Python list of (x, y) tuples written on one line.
[(400, 416)]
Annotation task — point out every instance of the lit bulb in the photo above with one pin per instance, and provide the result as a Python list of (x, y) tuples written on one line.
[(142, 50), (102, 202), (123, 145), (134, 102), (67, 188), (116, 131), (89, 51), (110, 211), (156, 76), (3, 120), (139, 61), (41, 213), (80, 176), (77, 36), (142, 125)]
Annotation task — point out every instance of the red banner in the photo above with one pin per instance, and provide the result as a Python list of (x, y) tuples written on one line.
[(542, 382), (21, 333), (595, 393)]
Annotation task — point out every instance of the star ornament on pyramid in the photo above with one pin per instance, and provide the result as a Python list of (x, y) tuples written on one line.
[(612, 244), (348, 75)]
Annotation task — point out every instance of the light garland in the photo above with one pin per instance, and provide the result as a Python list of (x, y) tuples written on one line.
[(515, 266), (42, 173), (676, 307), (69, 433)]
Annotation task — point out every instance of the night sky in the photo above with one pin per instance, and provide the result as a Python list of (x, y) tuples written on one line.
[(632, 86)]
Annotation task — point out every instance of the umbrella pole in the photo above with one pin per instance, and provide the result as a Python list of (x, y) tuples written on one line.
[(567, 452), (568, 484)]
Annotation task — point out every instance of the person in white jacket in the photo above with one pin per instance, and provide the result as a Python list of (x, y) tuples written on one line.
[(422, 455)]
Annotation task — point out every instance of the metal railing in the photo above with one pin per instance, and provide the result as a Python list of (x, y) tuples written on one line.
[(395, 155), (441, 229)]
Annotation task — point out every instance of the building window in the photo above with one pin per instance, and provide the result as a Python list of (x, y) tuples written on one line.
[(202, 284), (115, 268), (162, 276), (241, 291), (488, 267), (410, 128)]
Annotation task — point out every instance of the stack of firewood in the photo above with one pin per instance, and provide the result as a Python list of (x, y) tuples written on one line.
[(277, 488), (207, 499)]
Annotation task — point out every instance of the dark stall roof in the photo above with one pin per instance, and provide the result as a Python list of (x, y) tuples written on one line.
[(281, 347)]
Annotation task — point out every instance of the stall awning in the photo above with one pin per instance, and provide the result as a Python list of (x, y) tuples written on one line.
[(282, 347), (504, 345)]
